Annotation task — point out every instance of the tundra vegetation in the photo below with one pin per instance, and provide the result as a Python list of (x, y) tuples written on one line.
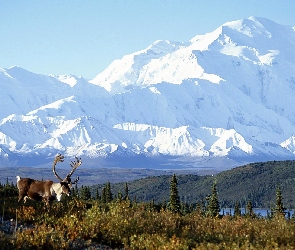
[(105, 220)]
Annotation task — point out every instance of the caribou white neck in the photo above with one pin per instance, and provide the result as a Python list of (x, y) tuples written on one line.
[(57, 190)]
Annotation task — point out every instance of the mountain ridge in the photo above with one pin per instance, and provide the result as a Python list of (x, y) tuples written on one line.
[(224, 95)]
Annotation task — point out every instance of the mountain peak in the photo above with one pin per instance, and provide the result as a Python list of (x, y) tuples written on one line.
[(178, 61), (252, 26)]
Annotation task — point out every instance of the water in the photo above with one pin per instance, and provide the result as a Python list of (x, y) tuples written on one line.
[(263, 212)]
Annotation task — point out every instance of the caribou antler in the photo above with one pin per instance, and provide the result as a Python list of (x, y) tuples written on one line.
[(58, 158), (74, 165)]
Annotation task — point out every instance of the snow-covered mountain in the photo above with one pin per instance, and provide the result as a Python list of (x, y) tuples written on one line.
[(218, 100)]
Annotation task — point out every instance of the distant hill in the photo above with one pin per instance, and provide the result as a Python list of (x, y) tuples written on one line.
[(255, 181)]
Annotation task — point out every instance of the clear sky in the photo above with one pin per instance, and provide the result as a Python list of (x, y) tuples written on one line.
[(82, 37)]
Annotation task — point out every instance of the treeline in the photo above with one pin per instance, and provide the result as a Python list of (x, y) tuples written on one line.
[(256, 182), (8, 190), (208, 204)]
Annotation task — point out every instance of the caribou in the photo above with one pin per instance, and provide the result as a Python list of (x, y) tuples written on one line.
[(47, 190)]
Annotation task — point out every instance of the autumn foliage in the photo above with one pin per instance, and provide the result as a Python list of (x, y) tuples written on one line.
[(75, 224)]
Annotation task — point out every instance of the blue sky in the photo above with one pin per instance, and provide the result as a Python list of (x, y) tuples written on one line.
[(83, 37)]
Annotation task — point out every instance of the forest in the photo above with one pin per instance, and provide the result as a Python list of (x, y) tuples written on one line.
[(255, 181), (115, 216)]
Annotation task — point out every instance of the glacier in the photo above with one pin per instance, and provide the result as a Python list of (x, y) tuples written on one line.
[(217, 101)]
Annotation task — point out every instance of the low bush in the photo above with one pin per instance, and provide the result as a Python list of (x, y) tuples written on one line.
[(127, 225)]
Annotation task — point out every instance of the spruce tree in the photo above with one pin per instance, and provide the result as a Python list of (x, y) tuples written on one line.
[(126, 192), (85, 193), (213, 208), (108, 193), (103, 195), (237, 211), (279, 208), (174, 201), (97, 196), (249, 209)]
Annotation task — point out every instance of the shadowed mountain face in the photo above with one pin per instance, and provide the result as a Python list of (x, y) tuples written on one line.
[(216, 101)]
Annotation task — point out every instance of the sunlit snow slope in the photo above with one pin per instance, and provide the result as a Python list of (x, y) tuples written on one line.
[(226, 95)]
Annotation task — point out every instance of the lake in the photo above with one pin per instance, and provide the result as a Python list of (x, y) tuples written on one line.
[(259, 211)]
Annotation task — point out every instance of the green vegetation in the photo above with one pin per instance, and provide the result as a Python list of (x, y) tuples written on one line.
[(213, 203), (256, 182), (174, 202), (107, 217), (279, 209)]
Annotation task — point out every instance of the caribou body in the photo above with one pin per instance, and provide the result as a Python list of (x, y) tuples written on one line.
[(47, 190)]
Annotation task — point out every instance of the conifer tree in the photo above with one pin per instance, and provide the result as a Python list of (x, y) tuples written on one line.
[(85, 193), (126, 192), (237, 211), (279, 208), (249, 209), (103, 195), (108, 192), (213, 208), (174, 201)]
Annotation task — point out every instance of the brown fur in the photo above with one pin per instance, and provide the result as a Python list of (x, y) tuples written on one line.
[(47, 190), (40, 190)]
